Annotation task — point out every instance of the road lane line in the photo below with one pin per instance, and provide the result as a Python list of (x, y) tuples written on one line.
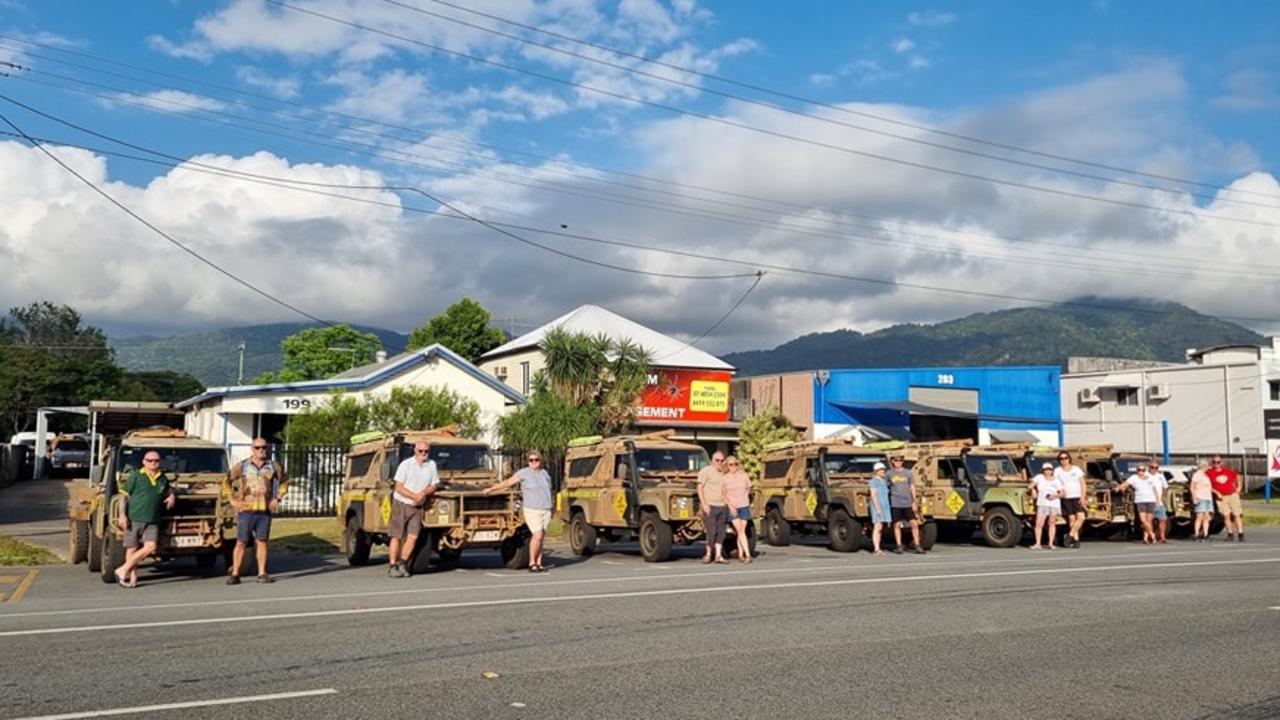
[(6, 579), (22, 587), (645, 577), (634, 594), (183, 705)]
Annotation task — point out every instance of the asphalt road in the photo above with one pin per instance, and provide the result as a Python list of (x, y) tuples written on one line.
[(1113, 630)]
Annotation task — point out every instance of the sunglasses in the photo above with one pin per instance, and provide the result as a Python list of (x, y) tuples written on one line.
[(419, 452), (151, 460), (732, 464), (259, 447), (535, 459)]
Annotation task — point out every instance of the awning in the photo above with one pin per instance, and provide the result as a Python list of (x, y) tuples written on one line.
[(1012, 436), (903, 406)]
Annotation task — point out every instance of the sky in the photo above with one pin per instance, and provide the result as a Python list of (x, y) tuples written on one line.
[(373, 161)]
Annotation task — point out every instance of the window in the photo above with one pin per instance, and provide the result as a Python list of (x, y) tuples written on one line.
[(776, 469), (584, 466), (654, 460), (360, 465), (847, 464), (1127, 396), (1275, 390), (524, 378)]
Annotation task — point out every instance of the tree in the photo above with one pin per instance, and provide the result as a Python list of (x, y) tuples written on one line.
[(463, 328), (157, 385), (595, 371), (321, 352), (547, 423), (421, 408), (331, 423), (757, 432)]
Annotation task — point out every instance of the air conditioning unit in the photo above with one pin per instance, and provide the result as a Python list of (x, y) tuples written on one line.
[(1089, 395), (1159, 392), (500, 372)]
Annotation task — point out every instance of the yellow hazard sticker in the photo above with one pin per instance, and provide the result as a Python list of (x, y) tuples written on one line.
[(386, 510), (955, 502), (620, 504), (811, 501)]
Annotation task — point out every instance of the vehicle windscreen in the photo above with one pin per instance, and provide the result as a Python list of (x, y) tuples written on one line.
[(659, 460), (1127, 466), (453, 458), (178, 460), (982, 467), (849, 464), (72, 446)]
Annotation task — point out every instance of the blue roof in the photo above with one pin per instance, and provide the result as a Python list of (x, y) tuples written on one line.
[(363, 377)]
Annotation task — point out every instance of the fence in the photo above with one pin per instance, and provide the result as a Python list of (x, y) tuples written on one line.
[(15, 464), (1252, 468)]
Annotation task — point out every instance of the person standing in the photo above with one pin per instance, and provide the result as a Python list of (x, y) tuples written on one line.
[(256, 486), (1073, 493), (737, 495), (1049, 492), (1160, 484), (536, 503), (144, 492), (902, 505), (416, 480), (880, 516), (1144, 499), (1202, 496), (1226, 489), (715, 511)]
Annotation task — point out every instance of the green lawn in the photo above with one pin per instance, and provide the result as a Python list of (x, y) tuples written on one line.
[(16, 552)]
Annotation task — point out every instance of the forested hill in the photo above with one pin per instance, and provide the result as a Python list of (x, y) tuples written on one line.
[(211, 356), (1140, 329)]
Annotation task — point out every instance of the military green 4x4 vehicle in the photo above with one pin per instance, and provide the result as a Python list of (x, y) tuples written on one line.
[(1177, 496), (458, 516), (199, 523), (1107, 513), (823, 486), (634, 487), (971, 489)]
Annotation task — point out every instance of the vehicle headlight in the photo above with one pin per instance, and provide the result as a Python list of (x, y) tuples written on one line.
[(442, 507), (518, 504), (682, 502)]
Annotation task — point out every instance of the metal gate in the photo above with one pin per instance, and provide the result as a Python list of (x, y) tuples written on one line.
[(315, 479)]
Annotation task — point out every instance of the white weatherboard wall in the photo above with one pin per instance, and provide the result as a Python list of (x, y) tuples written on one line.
[(517, 369)]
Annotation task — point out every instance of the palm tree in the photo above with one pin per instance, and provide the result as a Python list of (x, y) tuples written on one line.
[(593, 370)]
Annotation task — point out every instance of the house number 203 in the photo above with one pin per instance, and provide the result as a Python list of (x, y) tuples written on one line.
[(946, 379)]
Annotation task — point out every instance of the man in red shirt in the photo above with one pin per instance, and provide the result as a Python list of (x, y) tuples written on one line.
[(1226, 488)]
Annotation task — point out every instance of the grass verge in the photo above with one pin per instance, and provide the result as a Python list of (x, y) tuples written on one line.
[(1261, 517), (15, 552)]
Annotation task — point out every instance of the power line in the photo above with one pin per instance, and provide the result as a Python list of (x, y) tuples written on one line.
[(771, 133), (149, 105), (718, 323), (799, 113), (837, 108)]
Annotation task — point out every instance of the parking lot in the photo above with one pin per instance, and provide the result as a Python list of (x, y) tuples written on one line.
[(1114, 629)]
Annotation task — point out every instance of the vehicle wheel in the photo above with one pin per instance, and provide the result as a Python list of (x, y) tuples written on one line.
[(94, 558), (582, 535), (843, 532), (777, 531), (655, 538), (1217, 524), (355, 542), (448, 556), (79, 541), (207, 561), (515, 552), (420, 562), (112, 558), (1181, 528), (928, 535), (1001, 528)]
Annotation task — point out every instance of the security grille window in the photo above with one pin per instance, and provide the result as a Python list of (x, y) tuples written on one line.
[(1127, 396), (776, 469), (583, 467), (1275, 390), (360, 465)]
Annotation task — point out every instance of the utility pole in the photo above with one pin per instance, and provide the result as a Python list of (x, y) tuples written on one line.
[(240, 372)]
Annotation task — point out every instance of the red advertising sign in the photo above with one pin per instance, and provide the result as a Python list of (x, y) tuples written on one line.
[(682, 396)]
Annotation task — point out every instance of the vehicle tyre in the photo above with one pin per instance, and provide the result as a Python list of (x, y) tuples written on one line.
[(777, 531), (355, 542), (1181, 528), (1216, 524), (515, 551), (843, 532), (112, 558), (420, 561), (928, 535), (94, 559), (1001, 528), (582, 535), (655, 538), (79, 541), (206, 562)]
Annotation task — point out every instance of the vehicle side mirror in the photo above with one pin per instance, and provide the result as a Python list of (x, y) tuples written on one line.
[(962, 474), (384, 471), (96, 474)]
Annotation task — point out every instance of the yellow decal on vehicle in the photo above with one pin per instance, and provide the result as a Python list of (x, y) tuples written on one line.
[(620, 504), (811, 501), (954, 502), (386, 510), (584, 494)]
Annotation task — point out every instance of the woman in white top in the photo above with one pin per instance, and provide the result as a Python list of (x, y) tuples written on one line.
[(1049, 492), (1144, 499)]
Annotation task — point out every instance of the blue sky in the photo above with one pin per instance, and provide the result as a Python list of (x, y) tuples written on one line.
[(1175, 89)]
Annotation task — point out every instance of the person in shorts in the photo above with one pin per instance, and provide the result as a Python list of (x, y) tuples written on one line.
[(902, 505), (416, 480), (1073, 492), (715, 510), (536, 502), (256, 486), (1049, 492), (1144, 500), (880, 515), (1226, 489), (737, 496), (1160, 518), (1202, 497), (144, 491)]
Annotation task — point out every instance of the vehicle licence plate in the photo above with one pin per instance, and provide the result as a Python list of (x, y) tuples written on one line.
[(486, 536), (185, 541)]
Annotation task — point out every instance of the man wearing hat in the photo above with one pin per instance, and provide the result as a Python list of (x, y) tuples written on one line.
[(902, 504)]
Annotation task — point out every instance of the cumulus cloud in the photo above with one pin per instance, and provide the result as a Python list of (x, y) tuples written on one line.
[(902, 45), (172, 101), (930, 18), (1246, 90), (285, 88)]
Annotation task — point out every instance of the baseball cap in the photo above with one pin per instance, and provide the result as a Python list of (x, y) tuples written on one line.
[(1046, 466), (878, 466)]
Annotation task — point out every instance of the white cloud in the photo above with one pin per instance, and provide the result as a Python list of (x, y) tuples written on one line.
[(173, 101), (1246, 90), (918, 62), (285, 88), (194, 50), (902, 45), (394, 96), (930, 18), (821, 79)]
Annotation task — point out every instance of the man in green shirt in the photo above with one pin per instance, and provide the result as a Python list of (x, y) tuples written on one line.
[(143, 490)]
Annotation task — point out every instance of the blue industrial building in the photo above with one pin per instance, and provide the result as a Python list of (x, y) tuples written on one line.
[(988, 404)]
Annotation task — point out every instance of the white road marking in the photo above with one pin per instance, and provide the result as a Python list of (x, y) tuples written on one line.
[(610, 562), (183, 705), (882, 564), (637, 594)]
